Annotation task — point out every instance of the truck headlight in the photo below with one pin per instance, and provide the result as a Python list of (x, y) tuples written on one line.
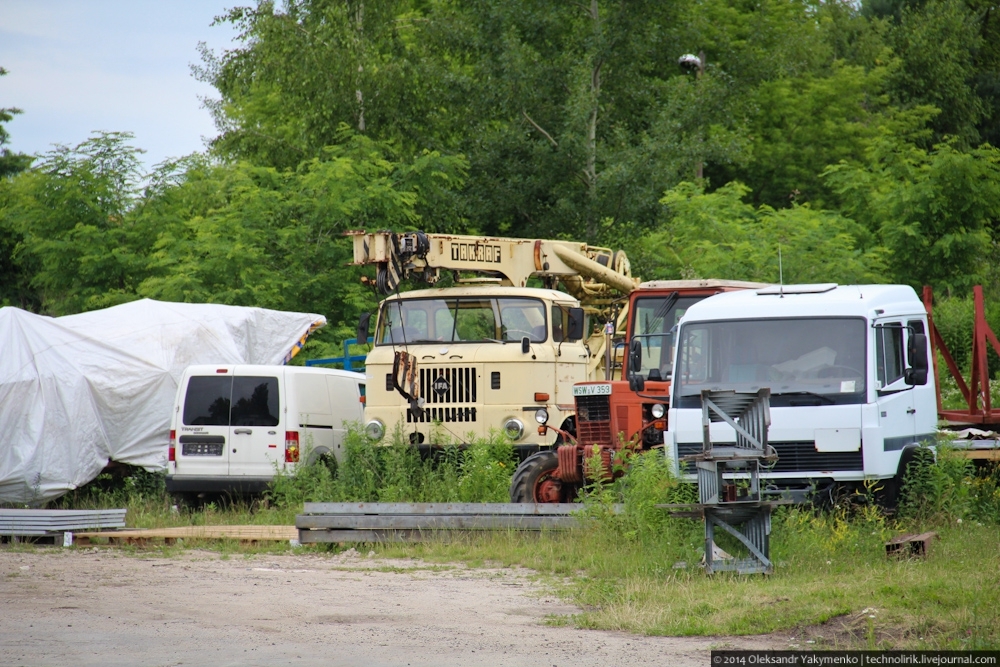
[(375, 430), (541, 416), (514, 428), (658, 410)]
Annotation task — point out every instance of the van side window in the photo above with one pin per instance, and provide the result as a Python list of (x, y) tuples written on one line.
[(255, 401), (889, 361), (207, 401)]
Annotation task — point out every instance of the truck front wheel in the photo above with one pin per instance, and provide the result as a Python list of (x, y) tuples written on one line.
[(534, 480)]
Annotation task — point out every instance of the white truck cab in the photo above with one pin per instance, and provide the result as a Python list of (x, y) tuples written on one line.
[(847, 368)]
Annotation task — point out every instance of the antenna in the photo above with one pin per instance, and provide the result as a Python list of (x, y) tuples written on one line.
[(781, 277)]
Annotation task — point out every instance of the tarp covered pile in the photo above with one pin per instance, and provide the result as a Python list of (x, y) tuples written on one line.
[(79, 391)]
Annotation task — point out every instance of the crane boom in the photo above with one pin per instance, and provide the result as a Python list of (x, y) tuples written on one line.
[(512, 261)]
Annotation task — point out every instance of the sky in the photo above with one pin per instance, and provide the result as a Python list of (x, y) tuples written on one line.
[(76, 67)]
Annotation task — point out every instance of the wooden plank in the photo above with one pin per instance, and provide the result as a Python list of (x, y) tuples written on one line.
[(245, 533), (514, 509), (433, 522)]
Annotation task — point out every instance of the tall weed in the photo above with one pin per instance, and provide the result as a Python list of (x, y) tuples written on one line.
[(397, 472)]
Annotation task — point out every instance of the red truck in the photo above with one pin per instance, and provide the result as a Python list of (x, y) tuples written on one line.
[(621, 413)]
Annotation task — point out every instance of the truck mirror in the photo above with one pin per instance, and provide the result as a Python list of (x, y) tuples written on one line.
[(635, 380), (575, 326), (525, 345), (916, 355), (363, 322), (634, 356)]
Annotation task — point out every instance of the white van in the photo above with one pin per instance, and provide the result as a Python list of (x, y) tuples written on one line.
[(233, 426), (852, 393)]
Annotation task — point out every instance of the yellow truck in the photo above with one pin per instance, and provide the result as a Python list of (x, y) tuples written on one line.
[(450, 364)]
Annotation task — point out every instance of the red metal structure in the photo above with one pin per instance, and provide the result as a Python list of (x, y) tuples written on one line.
[(977, 391)]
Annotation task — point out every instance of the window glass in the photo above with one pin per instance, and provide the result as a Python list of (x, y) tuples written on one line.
[(653, 319), (255, 401), (560, 323), (889, 353), (522, 317), (474, 320), (206, 402), (821, 359), (466, 319)]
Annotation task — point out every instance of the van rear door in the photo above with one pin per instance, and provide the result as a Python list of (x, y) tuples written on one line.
[(203, 436), (256, 434)]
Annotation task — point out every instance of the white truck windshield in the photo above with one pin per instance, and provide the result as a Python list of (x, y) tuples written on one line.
[(461, 320), (804, 361)]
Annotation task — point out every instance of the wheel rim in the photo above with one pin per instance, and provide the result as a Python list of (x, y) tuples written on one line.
[(548, 489)]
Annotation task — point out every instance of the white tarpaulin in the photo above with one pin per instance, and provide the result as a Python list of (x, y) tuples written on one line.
[(79, 391)]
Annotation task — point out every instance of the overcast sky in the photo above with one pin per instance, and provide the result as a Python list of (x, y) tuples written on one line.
[(75, 67)]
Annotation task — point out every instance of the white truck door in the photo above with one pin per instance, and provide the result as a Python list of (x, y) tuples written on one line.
[(897, 422), (256, 435)]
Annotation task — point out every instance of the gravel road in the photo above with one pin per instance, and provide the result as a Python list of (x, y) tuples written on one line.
[(89, 606)]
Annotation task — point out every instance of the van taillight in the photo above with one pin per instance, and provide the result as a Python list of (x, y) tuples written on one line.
[(291, 446), (172, 448)]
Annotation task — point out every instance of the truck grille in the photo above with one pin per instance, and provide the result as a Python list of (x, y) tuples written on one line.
[(428, 415), (593, 420), (792, 457), (461, 385), (457, 385)]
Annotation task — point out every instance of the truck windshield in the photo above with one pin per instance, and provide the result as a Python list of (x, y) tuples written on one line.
[(804, 361), (461, 320), (653, 320)]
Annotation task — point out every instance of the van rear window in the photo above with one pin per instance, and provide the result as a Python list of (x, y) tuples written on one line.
[(255, 401), (207, 401), (237, 401)]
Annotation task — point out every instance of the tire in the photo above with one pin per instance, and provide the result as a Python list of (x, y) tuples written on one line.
[(532, 474)]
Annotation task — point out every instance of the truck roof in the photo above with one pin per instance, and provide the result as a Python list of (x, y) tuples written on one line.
[(706, 283), (484, 290), (819, 300)]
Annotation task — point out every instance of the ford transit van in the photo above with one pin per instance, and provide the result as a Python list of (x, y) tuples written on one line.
[(233, 427)]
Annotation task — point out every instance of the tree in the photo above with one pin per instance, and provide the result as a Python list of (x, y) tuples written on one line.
[(936, 212), (70, 212), (718, 235), (251, 235), (10, 162)]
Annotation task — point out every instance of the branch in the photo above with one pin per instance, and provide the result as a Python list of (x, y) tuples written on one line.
[(539, 128)]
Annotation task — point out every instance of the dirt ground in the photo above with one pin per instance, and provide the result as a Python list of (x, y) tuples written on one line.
[(101, 606)]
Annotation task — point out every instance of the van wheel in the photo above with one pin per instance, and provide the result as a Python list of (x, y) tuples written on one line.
[(185, 500), (330, 461), (533, 481)]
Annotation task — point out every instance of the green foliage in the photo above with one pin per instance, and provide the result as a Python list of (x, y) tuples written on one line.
[(932, 211), (945, 486), (397, 472), (718, 235), (10, 162), (76, 243)]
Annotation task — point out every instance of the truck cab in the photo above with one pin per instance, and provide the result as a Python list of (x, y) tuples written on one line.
[(610, 413), (851, 390), (488, 358)]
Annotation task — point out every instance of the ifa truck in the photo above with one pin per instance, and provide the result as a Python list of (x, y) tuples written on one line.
[(489, 352), (851, 390), (626, 412)]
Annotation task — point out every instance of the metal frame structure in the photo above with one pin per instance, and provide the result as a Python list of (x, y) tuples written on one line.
[(976, 391), (743, 513)]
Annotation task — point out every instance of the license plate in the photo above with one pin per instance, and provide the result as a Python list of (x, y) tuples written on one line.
[(201, 449), (592, 390)]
